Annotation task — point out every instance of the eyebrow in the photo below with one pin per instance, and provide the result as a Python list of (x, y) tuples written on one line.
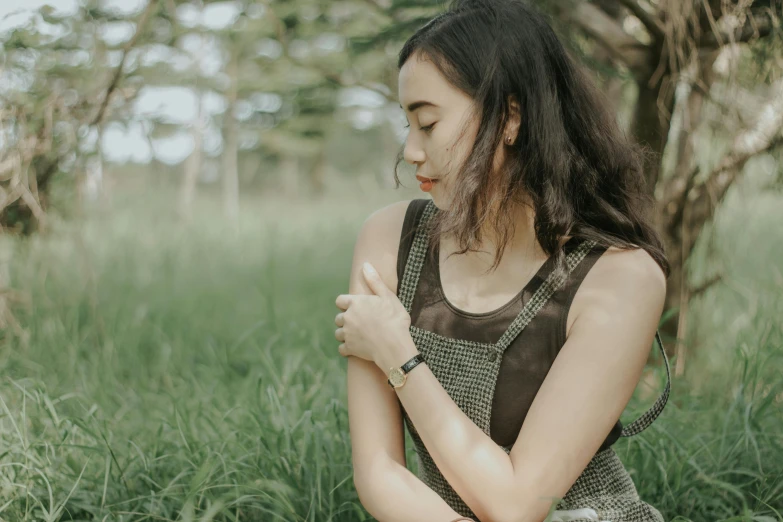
[(421, 103)]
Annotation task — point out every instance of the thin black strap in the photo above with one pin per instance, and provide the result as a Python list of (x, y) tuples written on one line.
[(541, 296), (412, 215), (650, 415), (416, 257)]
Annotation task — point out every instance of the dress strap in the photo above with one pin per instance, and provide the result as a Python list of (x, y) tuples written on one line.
[(542, 295), (539, 299), (416, 258), (650, 415)]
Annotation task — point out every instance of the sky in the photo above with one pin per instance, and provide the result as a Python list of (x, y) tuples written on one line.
[(179, 104)]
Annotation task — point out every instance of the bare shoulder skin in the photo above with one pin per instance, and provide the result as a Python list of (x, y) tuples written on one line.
[(599, 279)]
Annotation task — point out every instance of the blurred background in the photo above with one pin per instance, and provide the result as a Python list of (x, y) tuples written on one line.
[(181, 185)]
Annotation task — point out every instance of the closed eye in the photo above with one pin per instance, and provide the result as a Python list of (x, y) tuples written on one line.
[(427, 129)]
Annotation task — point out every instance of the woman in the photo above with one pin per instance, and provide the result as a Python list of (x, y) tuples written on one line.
[(512, 397)]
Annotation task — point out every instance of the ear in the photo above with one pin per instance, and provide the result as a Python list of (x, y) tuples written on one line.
[(515, 118)]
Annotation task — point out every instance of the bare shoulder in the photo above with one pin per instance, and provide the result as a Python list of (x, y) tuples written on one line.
[(634, 265), (619, 278), (377, 243), (388, 219)]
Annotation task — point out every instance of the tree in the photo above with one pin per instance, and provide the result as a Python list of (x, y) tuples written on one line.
[(58, 101), (677, 44)]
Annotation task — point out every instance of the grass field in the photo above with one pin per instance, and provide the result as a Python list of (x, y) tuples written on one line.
[(173, 372)]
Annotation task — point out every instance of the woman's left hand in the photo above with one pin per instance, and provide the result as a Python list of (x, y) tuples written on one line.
[(373, 327)]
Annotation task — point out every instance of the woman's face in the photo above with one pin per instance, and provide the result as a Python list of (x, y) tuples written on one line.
[(436, 112)]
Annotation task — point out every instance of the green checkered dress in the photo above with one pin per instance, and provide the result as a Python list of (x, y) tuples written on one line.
[(468, 371)]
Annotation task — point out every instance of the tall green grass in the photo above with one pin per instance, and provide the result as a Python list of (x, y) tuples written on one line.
[(189, 372)]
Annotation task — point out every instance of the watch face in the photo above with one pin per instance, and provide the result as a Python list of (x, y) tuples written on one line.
[(396, 377)]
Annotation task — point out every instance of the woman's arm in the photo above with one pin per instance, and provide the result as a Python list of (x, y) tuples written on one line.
[(386, 488), (581, 398)]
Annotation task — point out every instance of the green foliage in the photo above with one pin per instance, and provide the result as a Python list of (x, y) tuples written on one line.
[(61, 76), (191, 373), (64, 80)]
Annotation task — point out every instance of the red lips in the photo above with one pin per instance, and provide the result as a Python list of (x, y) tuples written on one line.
[(423, 179)]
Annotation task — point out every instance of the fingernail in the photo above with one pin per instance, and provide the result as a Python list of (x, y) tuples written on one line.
[(368, 267)]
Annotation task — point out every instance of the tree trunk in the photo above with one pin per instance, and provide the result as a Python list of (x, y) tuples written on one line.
[(192, 165), (318, 172), (649, 126), (289, 176), (8, 322), (679, 240), (230, 145)]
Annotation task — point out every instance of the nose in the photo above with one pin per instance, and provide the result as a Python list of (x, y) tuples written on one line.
[(412, 153)]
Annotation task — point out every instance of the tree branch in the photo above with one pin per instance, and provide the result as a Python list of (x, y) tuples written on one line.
[(650, 21), (140, 25), (697, 290), (607, 32), (329, 75), (765, 136), (755, 27)]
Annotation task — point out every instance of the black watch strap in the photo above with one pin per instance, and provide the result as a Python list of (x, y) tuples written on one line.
[(412, 362), (409, 365)]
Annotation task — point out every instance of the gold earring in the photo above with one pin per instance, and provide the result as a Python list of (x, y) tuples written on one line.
[(508, 140)]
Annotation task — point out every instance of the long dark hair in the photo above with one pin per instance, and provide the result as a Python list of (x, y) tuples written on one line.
[(570, 161)]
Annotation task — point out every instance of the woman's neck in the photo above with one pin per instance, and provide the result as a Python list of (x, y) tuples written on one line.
[(521, 250)]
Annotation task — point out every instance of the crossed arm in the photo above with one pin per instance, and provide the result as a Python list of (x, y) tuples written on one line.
[(583, 395), (386, 488)]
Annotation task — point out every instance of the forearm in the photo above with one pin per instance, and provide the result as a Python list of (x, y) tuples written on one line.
[(473, 464), (393, 494)]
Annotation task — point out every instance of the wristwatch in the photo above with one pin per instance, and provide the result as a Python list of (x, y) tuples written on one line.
[(398, 376)]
